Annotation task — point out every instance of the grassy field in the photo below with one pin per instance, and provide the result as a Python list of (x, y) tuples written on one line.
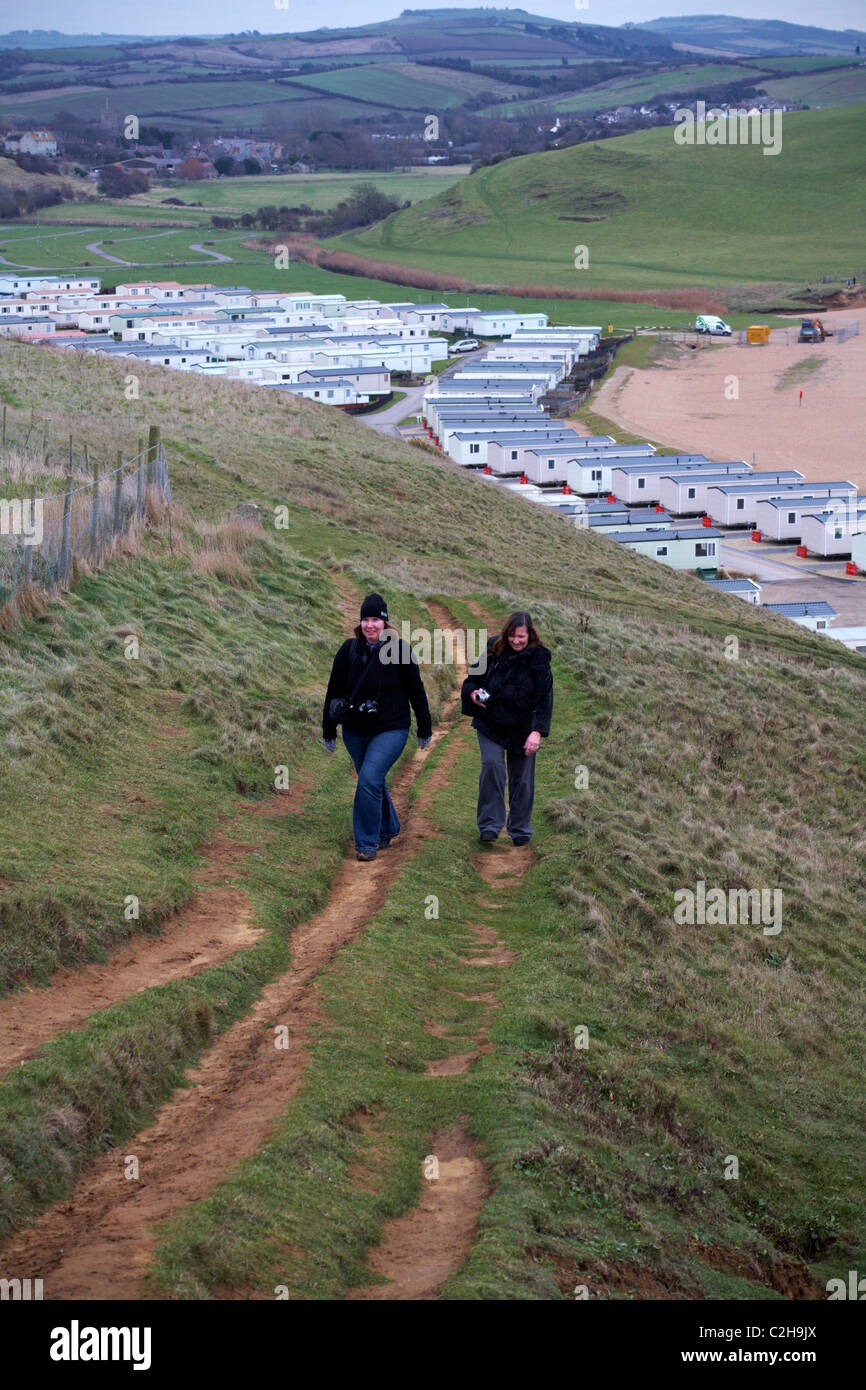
[(168, 255), (845, 87), (405, 86), (215, 101), (639, 204), (606, 1165), (627, 91)]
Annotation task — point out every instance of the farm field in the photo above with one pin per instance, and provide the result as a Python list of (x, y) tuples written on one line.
[(22, 245), (639, 204), (625, 91), (219, 101), (321, 191), (843, 87), (404, 86)]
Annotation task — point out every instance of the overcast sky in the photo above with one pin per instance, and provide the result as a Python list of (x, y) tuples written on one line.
[(232, 16)]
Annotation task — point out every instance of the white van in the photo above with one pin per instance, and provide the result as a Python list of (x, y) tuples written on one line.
[(709, 323)]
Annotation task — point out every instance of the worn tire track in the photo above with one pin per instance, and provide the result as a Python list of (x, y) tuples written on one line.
[(96, 1244)]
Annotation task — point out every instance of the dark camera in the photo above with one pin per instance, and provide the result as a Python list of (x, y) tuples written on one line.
[(368, 707)]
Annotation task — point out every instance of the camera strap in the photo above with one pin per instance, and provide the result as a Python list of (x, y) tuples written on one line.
[(366, 671)]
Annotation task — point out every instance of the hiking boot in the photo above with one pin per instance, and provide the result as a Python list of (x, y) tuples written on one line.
[(365, 858), (488, 836)]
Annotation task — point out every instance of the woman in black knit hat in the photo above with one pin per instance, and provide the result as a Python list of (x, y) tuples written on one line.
[(374, 680)]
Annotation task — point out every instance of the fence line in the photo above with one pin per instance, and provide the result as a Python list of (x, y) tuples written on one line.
[(43, 538)]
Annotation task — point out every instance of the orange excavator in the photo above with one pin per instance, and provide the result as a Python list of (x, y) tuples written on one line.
[(813, 331)]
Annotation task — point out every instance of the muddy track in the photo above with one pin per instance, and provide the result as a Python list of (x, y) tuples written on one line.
[(420, 1250), (212, 926), (97, 1244)]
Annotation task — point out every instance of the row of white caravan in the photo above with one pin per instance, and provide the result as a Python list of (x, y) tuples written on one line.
[(488, 422)]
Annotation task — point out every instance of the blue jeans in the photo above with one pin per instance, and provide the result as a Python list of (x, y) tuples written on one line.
[(373, 816)]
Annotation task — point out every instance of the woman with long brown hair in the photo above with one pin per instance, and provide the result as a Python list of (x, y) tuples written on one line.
[(509, 693)]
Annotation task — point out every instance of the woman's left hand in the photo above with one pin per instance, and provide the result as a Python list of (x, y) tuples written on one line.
[(532, 744)]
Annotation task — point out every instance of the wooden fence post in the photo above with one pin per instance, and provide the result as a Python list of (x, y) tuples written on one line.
[(118, 484), (28, 549), (67, 517), (94, 517), (4, 427)]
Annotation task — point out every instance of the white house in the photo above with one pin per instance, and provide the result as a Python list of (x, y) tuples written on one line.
[(31, 142)]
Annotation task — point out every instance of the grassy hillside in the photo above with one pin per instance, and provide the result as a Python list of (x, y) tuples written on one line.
[(626, 91), (841, 87), (652, 213), (604, 1165)]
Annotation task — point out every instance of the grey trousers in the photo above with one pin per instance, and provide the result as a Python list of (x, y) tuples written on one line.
[(491, 789)]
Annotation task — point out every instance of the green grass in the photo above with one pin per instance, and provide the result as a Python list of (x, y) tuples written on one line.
[(801, 371), (405, 86), (771, 216), (844, 87), (704, 1041), (628, 91), (395, 398)]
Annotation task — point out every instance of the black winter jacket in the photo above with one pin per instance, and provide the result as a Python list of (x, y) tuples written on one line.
[(521, 695), (395, 685)]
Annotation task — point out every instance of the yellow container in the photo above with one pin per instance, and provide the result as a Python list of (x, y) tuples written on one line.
[(758, 333)]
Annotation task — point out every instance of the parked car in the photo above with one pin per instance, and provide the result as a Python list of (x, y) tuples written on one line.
[(466, 345), (710, 323)]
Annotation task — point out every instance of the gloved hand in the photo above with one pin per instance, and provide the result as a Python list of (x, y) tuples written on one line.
[(330, 745), (422, 742)]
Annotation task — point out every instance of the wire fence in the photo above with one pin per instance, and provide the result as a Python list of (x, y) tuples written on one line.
[(46, 534)]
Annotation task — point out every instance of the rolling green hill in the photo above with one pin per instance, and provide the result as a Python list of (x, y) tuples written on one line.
[(730, 34), (605, 1165), (653, 214)]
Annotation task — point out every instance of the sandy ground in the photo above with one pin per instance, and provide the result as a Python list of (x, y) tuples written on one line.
[(685, 404)]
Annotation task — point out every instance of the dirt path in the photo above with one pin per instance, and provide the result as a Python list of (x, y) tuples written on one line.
[(421, 1250), (214, 925), (97, 1244)]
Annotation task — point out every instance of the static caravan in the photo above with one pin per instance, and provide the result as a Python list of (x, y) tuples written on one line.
[(692, 548), (737, 504), (471, 445), (543, 465), (640, 482), (522, 455), (781, 518), (693, 490), (835, 532), (639, 518), (854, 638), (435, 412), (745, 589), (814, 615)]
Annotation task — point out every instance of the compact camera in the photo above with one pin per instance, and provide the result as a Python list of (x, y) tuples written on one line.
[(483, 696)]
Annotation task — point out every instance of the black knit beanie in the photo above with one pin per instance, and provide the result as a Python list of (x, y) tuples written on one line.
[(374, 606)]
